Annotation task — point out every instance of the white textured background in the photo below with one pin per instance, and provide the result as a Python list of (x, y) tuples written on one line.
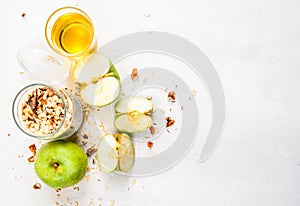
[(255, 47)]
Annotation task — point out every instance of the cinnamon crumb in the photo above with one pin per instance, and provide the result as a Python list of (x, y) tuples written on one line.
[(8, 135), (134, 74)]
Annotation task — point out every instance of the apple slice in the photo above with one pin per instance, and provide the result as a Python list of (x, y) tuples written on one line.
[(126, 153), (115, 152), (139, 104), (107, 153), (133, 114), (90, 67), (123, 123), (102, 91)]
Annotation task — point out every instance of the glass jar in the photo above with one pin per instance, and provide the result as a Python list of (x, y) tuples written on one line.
[(47, 112)]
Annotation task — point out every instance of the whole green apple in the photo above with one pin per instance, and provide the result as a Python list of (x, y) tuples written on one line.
[(60, 163)]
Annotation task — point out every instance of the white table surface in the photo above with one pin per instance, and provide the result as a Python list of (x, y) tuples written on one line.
[(255, 47)]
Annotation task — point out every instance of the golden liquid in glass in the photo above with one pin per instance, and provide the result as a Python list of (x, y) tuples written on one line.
[(72, 33)]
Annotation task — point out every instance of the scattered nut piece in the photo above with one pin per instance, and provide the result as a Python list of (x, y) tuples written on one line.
[(85, 136), (58, 189), (171, 96), (194, 93), (31, 159), (76, 188), (76, 203), (105, 187), (170, 121), (150, 144), (23, 15), (32, 149), (134, 74), (8, 135), (87, 178), (149, 97), (91, 151), (37, 186), (21, 73), (111, 203), (152, 130)]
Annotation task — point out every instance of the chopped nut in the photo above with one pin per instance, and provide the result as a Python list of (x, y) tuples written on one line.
[(111, 203), (76, 188), (171, 96), (150, 144), (170, 122), (8, 135), (105, 187), (32, 149), (149, 97), (23, 15), (87, 178), (194, 93), (40, 111), (37, 186), (134, 74), (133, 181), (76, 203), (152, 130), (58, 189), (21, 73), (91, 151), (85, 136), (31, 159)]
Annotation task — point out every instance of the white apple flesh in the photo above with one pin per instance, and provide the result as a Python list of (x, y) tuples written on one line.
[(133, 114), (115, 152), (103, 92)]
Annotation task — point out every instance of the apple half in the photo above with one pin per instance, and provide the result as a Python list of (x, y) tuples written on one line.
[(133, 114), (99, 80), (115, 152)]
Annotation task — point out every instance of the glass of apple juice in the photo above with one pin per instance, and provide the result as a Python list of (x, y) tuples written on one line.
[(70, 32)]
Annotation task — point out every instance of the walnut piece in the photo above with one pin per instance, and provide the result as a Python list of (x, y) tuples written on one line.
[(150, 144), (134, 74), (170, 122), (32, 149), (152, 130), (37, 186), (171, 96)]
